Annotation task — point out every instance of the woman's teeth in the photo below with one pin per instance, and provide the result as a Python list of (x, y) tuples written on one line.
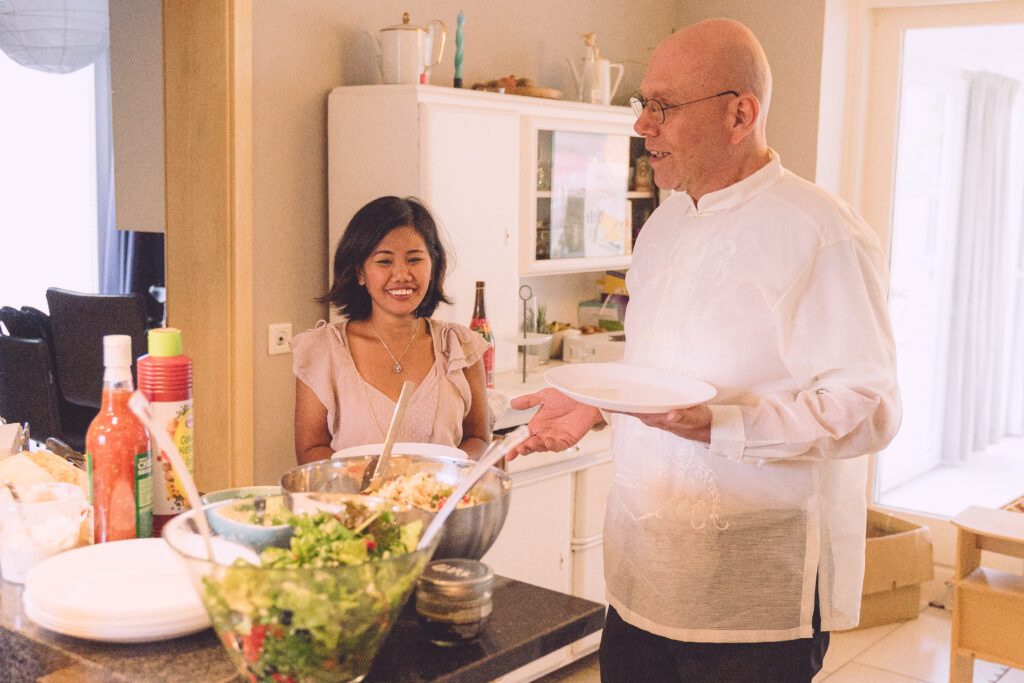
[(400, 292), (659, 155)]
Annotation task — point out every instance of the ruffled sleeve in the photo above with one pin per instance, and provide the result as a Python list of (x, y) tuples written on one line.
[(461, 348), (312, 363)]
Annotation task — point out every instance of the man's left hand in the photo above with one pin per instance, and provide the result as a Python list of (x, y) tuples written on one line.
[(690, 423)]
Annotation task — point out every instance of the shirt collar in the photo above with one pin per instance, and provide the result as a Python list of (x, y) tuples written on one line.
[(740, 192)]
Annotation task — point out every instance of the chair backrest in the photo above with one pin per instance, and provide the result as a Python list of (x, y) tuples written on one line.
[(18, 323), (79, 322), (27, 389)]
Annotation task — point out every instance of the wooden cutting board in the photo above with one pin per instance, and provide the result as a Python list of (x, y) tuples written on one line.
[(534, 91)]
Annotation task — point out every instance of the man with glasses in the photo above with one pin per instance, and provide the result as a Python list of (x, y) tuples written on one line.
[(734, 532)]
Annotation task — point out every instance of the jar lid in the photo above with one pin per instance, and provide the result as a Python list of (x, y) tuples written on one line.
[(457, 578)]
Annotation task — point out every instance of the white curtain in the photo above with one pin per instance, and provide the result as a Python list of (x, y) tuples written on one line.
[(1014, 417), (983, 286)]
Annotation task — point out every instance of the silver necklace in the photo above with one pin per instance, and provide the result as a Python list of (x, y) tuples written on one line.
[(398, 361)]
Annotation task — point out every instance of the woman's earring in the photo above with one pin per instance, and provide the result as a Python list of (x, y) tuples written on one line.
[(362, 282)]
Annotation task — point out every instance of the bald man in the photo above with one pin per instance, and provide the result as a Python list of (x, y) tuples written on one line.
[(734, 532)]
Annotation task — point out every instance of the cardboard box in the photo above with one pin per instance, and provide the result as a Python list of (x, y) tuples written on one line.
[(898, 558)]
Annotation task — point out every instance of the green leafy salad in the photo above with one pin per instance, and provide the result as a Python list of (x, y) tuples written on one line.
[(318, 610)]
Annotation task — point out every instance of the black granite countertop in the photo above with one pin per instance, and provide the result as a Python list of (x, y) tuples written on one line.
[(527, 623)]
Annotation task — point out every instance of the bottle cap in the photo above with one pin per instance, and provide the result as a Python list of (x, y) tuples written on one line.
[(117, 351), (479, 283), (164, 342)]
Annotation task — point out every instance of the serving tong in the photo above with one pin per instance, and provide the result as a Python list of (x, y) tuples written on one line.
[(373, 475), (497, 450)]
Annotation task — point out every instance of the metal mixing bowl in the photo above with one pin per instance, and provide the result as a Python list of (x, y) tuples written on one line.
[(469, 532)]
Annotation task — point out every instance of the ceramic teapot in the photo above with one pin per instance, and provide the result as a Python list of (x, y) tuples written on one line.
[(405, 52)]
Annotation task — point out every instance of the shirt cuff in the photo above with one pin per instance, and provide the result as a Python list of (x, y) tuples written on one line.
[(728, 437), (607, 417)]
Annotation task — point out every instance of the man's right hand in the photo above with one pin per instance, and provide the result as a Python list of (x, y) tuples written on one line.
[(559, 423)]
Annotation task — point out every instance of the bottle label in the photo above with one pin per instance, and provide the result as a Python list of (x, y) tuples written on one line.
[(481, 326), (168, 490), (143, 496), (88, 472)]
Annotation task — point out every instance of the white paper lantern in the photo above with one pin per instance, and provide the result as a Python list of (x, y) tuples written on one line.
[(56, 36)]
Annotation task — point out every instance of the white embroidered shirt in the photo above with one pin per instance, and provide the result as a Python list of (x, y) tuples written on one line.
[(772, 290)]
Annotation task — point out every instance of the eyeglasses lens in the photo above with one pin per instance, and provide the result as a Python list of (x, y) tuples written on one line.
[(652, 107)]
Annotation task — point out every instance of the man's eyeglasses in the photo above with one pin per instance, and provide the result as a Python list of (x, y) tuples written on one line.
[(657, 109)]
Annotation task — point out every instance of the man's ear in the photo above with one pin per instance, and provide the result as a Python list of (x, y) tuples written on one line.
[(745, 110)]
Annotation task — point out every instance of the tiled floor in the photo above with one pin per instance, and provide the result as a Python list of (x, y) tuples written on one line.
[(914, 651)]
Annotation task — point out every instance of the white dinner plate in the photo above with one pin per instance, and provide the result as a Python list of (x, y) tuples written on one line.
[(120, 592), (628, 388), (106, 632)]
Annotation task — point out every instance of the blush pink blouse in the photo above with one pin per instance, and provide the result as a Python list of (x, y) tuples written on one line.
[(358, 413)]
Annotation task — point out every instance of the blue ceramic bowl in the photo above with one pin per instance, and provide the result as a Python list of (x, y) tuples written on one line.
[(240, 492), (230, 519)]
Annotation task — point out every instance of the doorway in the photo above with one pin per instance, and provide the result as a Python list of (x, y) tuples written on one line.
[(942, 179)]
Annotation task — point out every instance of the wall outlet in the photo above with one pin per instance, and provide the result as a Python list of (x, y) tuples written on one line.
[(278, 336)]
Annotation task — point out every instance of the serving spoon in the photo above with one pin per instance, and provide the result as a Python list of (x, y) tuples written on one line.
[(495, 452), (373, 475)]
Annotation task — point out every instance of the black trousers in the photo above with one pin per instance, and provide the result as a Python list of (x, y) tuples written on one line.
[(631, 654)]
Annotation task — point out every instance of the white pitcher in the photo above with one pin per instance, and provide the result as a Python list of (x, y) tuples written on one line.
[(402, 52), (606, 84)]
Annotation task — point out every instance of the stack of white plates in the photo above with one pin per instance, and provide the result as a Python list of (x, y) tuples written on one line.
[(124, 592)]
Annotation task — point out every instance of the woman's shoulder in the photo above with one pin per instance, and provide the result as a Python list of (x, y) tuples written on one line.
[(318, 336)]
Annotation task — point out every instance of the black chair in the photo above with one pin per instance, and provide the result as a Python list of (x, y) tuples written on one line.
[(18, 323), (28, 392), (79, 322), (74, 418)]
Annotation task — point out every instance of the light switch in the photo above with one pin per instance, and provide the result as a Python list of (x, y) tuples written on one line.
[(278, 336)]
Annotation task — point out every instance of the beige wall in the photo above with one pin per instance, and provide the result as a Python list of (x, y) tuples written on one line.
[(303, 49), (791, 33)]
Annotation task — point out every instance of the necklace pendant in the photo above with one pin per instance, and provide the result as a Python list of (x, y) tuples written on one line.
[(398, 368)]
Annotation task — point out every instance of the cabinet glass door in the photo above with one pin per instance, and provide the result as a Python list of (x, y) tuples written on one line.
[(585, 213), (594, 193)]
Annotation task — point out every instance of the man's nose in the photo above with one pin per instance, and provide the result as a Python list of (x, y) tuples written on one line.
[(645, 124)]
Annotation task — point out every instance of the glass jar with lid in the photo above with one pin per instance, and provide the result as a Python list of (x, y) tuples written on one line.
[(453, 600)]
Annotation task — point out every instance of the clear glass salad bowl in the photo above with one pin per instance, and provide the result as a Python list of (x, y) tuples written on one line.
[(469, 532), (309, 623)]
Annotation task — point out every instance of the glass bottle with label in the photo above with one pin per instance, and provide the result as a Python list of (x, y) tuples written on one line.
[(117, 453), (480, 324)]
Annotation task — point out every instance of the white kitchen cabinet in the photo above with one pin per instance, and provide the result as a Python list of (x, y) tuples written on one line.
[(473, 157), (534, 544), (456, 150)]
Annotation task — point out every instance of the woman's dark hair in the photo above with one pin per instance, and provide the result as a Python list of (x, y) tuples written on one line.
[(362, 235)]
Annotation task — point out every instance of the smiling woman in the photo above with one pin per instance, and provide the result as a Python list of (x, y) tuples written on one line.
[(389, 271)]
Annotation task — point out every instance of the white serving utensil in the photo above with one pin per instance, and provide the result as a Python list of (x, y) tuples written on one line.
[(373, 477), (142, 408), (495, 452)]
